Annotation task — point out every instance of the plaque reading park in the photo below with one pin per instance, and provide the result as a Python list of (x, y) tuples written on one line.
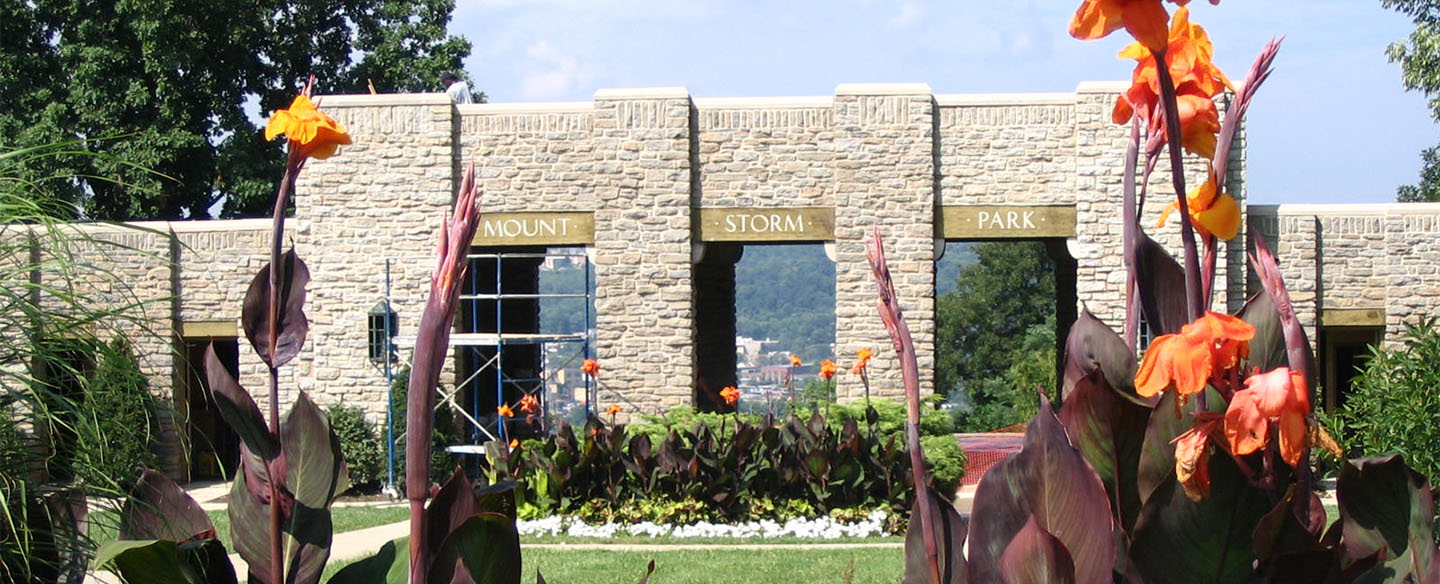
[(1006, 221)]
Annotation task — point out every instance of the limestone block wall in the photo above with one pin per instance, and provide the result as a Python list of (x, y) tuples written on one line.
[(381, 198), (1338, 257)]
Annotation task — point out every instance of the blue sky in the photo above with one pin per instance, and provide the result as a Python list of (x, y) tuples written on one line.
[(1332, 125)]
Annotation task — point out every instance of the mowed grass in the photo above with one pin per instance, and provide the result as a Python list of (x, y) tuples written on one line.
[(716, 565), (347, 518)]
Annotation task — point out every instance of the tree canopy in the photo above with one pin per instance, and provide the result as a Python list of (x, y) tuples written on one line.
[(1419, 59), (178, 88)]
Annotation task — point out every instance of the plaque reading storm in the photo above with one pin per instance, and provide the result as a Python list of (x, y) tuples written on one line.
[(767, 224)]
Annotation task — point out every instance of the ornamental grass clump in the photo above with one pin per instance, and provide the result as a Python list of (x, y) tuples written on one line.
[(1193, 465)]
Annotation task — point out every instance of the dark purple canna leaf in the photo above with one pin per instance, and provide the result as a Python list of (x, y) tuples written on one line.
[(292, 326), (1050, 480), (1267, 349), (387, 566), (485, 547), (1210, 541), (1161, 283), (950, 534), (1109, 432), (1286, 550), (1035, 556), (250, 526), (239, 409), (497, 498), (1093, 345), (449, 508), (1387, 510), (159, 509), (315, 475)]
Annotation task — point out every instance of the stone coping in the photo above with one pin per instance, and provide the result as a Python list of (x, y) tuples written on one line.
[(642, 93), (384, 99), (1003, 99), (883, 89), (554, 107), (1345, 209), (197, 226), (738, 103)]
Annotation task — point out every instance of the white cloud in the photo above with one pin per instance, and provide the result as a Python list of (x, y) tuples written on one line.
[(910, 15), (550, 73)]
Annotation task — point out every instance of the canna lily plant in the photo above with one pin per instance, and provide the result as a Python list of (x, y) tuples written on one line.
[(1192, 465), (292, 469)]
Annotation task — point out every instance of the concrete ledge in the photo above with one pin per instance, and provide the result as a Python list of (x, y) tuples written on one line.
[(384, 99), (1345, 209), (883, 89), (558, 107), (198, 226), (1004, 99), (642, 93), (736, 103)]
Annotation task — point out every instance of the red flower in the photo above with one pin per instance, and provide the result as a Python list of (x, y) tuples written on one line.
[(529, 404), (1203, 350), (827, 369), (730, 395), (1188, 57), (1144, 19), (591, 367), (1279, 397)]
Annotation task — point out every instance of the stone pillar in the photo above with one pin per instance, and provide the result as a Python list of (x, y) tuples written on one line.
[(715, 324), (884, 177), (643, 276)]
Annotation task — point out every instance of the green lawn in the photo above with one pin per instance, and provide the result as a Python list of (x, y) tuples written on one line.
[(643, 540), (709, 566), (348, 518)]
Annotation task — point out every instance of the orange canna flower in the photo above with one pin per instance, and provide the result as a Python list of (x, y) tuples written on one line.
[(613, 409), (1203, 349), (529, 404), (1211, 212), (1280, 397), (827, 369), (730, 395), (505, 411), (1189, 58), (591, 367), (794, 360), (312, 134), (863, 357), (514, 443), (1144, 19)]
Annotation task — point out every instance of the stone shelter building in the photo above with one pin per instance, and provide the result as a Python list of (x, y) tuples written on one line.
[(660, 190)]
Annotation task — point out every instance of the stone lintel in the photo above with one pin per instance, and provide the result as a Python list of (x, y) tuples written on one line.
[(1352, 317)]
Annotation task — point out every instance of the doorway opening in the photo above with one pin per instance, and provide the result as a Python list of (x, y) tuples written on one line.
[(214, 451), (756, 304), (1003, 309), (1344, 350)]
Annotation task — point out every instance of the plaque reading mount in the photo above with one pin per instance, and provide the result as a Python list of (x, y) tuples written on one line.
[(536, 228)]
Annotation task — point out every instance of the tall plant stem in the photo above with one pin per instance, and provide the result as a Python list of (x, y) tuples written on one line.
[(1132, 218), (277, 236), (1177, 177)]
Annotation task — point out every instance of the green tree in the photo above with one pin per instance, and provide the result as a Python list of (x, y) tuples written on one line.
[(1393, 406), (1009, 288), (169, 90), (787, 293), (1419, 59)]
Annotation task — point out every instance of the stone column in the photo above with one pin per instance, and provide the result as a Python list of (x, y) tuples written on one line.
[(885, 177), (643, 276)]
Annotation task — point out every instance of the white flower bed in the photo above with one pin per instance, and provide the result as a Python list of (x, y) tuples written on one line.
[(818, 528)]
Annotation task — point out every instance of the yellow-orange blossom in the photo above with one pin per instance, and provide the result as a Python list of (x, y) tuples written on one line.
[(1208, 347), (312, 133)]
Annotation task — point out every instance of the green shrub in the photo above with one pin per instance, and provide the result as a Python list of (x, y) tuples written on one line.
[(116, 432), (947, 461), (1394, 404), (362, 447), (446, 433)]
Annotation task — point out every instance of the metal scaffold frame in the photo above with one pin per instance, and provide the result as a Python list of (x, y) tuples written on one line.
[(467, 338)]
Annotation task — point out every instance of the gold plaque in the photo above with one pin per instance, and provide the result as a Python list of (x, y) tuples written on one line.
[(1352, 317), (1006, 221), (761, 224), (213, 329), (542, 228)]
